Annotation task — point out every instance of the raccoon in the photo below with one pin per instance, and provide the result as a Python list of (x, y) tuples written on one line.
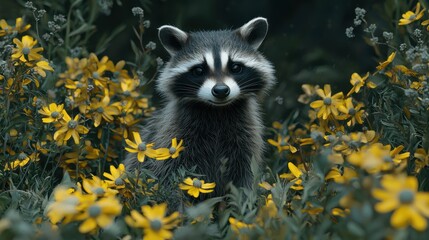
[(212, 86)]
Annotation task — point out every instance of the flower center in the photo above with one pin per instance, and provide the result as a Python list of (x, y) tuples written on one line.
[(327, 101), (79, 85), (95, 75), (412, 17), (142, 146), (94, 211), (55, 114), (406, 196), (100, 110), (352, 111), (98, 191), (72, 124), (387, 159), (22, 156), (197, 183), (127, 93), (25, 50), (119, 182), (172, 150), (156, 225)]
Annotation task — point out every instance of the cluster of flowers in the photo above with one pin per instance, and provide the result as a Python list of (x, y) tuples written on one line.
[(357, 158), (21, 73)]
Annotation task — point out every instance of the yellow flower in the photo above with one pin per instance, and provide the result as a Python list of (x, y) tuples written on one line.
[(398, 157), (175, 148), (399, 194), (102, 110), (329, 104), (309, 92), (70, 128), (142, 149), (98, 187), (19, 27), (53, 113), (196, 186), (237, 225), (354, 113), (357, 82), (21, 161), (155, 223), (341, 177), (116, 176), (384, 64), (295, 176), (100, 213), (411, 16), (25, 51), (41, 67), (65, 205), (422, 159), (340, 212), (373, 158), (282, 144)]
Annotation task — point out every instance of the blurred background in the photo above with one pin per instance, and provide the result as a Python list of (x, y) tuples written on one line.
[(306, 40)]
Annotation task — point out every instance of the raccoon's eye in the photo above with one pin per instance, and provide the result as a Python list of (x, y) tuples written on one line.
[(197, 71), (236, 68)]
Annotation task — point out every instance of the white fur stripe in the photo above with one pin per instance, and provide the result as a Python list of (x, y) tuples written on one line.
[(233, 88), (224, 59), (205, 91), (210, 60)]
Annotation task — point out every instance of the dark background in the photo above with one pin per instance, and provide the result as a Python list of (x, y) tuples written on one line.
[(306, 40)]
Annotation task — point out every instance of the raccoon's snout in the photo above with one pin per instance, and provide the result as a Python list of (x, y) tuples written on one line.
[(220, 90)]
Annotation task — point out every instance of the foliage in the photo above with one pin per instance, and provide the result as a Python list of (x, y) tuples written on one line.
[(351, 164)]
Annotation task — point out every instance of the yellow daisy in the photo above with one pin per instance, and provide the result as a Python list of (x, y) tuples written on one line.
[(399, 194), (196, 186), (25, 50)]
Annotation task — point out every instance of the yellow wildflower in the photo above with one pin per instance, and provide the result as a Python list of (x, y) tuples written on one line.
[(70, 128), (237, 225), (102, 110), (383, 65), (421, 159), (155, 223), (41, 67), (98, 187), (116, 176), (53, 113), (399, 194), (25, 51), (295, 176), (175, 148), (196, 186), (100, 213), (341, 177), (329, 104), (373, 158), (309, 92), (282, 144), (142, 149), (353, 113), (411, 16), (358, 82), (65, 206)]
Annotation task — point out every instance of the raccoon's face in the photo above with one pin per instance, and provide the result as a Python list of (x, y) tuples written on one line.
[(215, 67)]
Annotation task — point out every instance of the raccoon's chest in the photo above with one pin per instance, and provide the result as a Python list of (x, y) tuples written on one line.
[(214, 136)]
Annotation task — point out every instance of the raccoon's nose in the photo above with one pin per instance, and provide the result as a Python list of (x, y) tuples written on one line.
[(220, 90)]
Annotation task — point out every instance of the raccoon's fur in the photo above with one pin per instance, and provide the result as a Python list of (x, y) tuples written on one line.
[(212, 85)]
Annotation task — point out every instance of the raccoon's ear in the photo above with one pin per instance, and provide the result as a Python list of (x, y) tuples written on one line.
[(172, 38), (254, 31)]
